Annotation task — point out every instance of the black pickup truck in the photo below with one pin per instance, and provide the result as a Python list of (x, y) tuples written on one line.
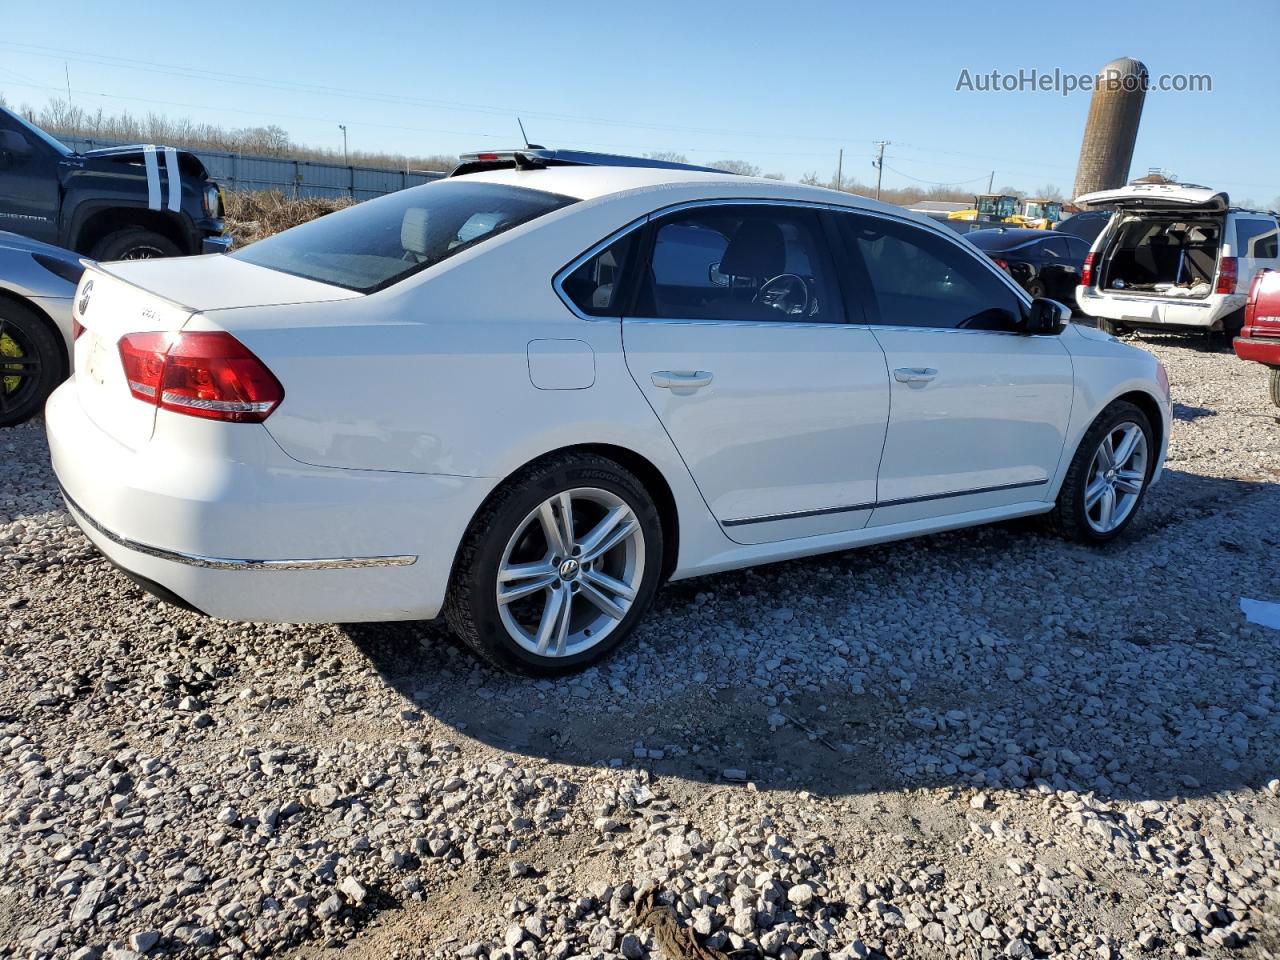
[(119, 203)]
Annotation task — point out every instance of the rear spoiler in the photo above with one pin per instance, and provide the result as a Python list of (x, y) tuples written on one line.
[(535, 157)]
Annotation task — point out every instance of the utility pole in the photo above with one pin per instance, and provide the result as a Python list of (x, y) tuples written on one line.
[(880, 165), (840, 169), (67, 70), (346, 161), (991, 181)]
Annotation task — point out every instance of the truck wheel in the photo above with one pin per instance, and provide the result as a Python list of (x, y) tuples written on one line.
[(134, 243), (1275, 386), (31, 363), (1113, 328)]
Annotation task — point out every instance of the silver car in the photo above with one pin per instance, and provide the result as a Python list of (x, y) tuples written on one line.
[(37, 286)]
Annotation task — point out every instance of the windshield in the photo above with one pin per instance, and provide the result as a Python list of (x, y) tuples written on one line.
[(380, 242), (57, 144)]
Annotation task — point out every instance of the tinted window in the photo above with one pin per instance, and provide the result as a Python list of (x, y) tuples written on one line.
[(595, 287), (376, 243), (1255, 238), (738, 263), (922, 280)]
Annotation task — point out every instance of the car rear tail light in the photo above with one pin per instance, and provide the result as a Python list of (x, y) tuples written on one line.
[(1002, 264), (209, 375), (1086, 272), (77, 328), (1228, 273)]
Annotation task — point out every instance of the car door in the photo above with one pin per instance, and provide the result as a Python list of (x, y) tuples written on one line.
[(979, 412), (737, 338), (29, 191), (1058, 267)]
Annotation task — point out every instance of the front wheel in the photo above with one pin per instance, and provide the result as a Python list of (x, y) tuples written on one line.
[(1108, 476), (1113, 328), (558, 567), (1275, 386)]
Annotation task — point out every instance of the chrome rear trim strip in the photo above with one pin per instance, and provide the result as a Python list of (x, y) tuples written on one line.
[(224, 563)]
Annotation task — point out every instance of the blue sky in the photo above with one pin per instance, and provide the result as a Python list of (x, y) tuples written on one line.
[(782, 85)]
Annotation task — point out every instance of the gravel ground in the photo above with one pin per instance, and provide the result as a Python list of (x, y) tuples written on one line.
[(985, 743)]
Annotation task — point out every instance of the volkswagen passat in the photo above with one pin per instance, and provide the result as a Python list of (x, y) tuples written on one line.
[(525, 398)]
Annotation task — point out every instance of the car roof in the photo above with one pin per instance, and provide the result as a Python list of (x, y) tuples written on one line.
[(592, 182)]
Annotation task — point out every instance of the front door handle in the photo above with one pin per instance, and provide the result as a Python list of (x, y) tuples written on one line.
[(914, 374), (681, 379)]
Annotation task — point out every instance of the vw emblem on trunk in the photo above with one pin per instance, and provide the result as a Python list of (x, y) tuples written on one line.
[(83, 305)]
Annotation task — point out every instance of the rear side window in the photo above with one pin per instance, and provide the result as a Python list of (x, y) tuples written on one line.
[(380, 242), (922, 280), (595, 287), (1256, 238)]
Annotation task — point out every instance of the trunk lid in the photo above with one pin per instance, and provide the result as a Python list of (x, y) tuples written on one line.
[(108, 308), (147, 296), (1159, 196)]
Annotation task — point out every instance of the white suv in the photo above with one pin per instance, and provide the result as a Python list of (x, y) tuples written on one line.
[(1174, 256)]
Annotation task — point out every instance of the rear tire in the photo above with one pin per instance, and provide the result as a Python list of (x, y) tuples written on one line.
[(134, 243), (1275, 386), (1112, 327), (568, 605), (1080, 513), (31, 363)]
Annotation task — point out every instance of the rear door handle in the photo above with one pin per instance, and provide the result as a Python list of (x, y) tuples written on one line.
[(681, 379), (914, 374)]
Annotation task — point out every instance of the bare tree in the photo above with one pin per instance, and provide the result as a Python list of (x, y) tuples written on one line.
[(670, 156), (736, 166)]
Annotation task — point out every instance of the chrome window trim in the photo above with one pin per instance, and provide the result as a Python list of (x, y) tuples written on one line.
[(224, 563), (950, 236)]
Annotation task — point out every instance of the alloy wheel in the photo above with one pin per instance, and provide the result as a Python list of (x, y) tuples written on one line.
[(570, 572), (1117, 475), (20, 366)]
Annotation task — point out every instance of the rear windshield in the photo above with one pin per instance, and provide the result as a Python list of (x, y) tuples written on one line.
[(380, 242)]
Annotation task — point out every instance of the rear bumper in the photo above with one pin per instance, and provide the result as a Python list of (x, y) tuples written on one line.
[(1157, 312), (1258, 350), (233, 527)]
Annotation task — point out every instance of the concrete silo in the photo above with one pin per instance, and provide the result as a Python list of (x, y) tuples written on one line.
[(1112, 127)]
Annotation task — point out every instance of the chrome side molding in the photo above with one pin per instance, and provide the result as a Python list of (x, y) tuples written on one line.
[(225, 563)]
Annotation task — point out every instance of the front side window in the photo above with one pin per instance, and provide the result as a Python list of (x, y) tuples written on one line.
[(380, 242), (745, 262), (923, 280)]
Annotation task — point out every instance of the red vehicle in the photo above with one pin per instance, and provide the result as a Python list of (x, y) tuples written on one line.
[(1259, 340)]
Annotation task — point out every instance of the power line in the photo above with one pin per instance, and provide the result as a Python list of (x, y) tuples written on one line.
[(937, 183)]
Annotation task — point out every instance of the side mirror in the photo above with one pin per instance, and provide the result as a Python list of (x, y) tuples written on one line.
[(1046, 317)]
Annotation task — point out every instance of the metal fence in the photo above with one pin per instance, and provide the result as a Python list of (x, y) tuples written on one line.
[(296, 178)]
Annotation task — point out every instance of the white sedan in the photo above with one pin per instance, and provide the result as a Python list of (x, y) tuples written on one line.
[(525, 398)]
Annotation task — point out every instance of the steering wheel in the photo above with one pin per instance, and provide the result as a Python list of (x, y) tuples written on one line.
[(780, 292)]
